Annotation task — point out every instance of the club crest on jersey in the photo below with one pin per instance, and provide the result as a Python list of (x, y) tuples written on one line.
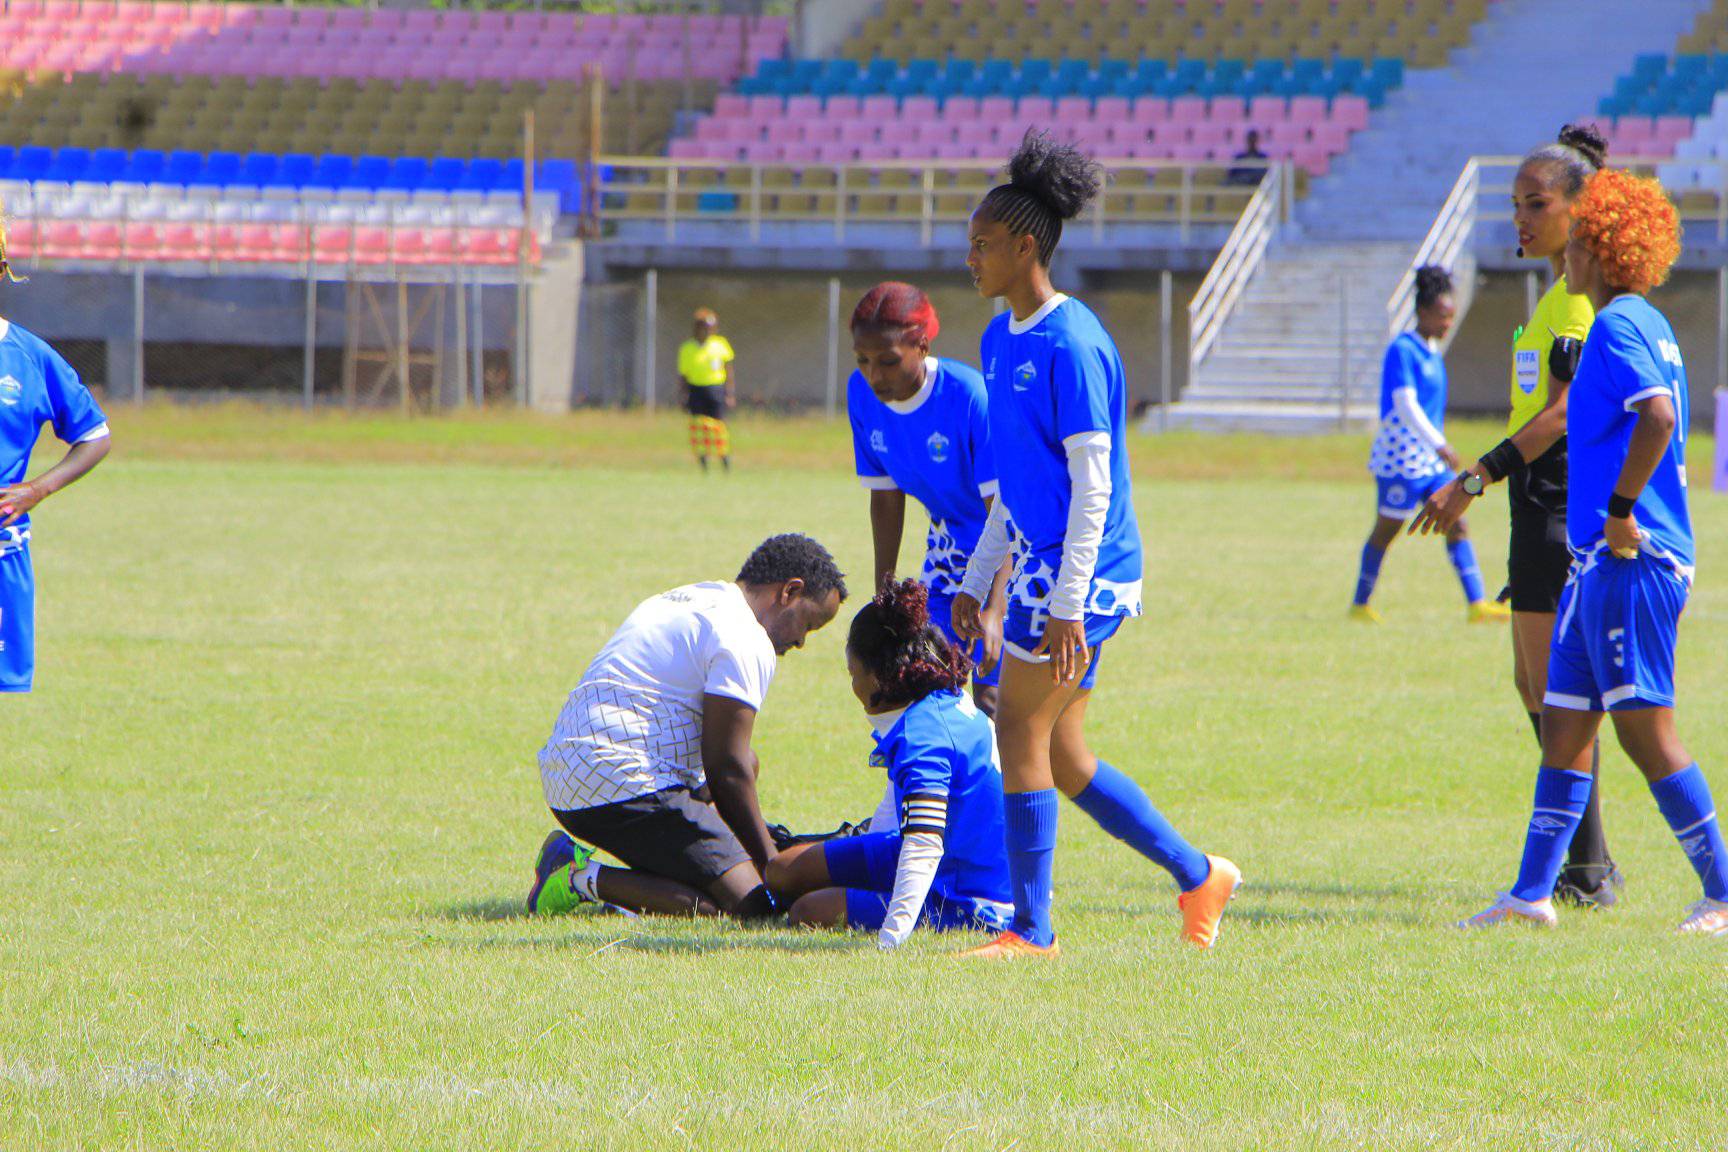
[(10, 391), (878, 759), (938, 445), (1025, 376), (878, 442)]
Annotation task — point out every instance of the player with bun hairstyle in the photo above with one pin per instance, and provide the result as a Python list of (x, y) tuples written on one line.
[(1630, 531), (944, 865), (920, 427), (1410, 458), (1532, 461), (1059, 411)]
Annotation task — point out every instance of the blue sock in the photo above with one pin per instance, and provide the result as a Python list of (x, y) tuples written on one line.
[(1685, 802), (1370, 572), (1122, 809), (1030, 819), (1464, 560), (1561, 797)]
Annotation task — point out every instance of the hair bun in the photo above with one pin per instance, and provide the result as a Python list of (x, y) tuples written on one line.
[(1058, 174), (1587, 140), (905, 608)]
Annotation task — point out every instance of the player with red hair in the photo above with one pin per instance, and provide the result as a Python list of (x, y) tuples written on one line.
[(920, 428), (1630, 531), (942, 861)]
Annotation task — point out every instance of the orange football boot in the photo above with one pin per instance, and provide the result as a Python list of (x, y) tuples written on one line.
[(1203, 908), (1009, 946)]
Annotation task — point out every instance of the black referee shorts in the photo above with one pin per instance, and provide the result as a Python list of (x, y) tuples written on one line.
[(706, 400), (668, 833), (1538, 561)]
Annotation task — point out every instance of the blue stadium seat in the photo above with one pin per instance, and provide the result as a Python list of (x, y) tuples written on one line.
[(1073, 73), (107, 165), (773, 69), (1649, 65), (1228, 73), (1034, 71), (68, 165), (7, 154), (220, 168), (717, 201), (482, 175), (332, 172), (369, 172), (258, 169), (1187, 73), (407, 174), (922, 70), (509, 176), (1611, 106), (805, 72), (296, 170), (1389, 72), (1307, 71), (447, 171), (182, 167)]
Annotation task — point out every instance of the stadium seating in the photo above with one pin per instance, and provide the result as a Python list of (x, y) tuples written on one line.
[(1421, 32)]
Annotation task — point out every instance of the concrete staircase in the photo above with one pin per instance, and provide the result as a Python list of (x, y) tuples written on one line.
[(1532, 66)]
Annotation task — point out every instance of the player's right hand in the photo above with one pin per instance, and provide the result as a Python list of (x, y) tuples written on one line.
[(965, 619)]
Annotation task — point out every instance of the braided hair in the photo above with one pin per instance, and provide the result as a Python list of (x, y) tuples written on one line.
[(893, 638), (1432, 282), (1048, 182), (1580, 152)]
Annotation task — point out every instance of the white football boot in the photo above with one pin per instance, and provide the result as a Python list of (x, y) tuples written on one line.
[(1507, 907), (1707, 918)]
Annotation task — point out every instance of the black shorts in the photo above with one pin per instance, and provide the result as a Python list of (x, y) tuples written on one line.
[(1538, 561), (669, 833), (705, 400)]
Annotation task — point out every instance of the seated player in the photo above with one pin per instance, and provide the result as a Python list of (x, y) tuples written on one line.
[(945, 865), (661, 722), (920, 427), (1410, 458), (1630, 529)]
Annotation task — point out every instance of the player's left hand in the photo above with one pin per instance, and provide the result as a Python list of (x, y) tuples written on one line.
[(1065, 643), (1623, 536), (991, 622), (17, 500), (1441, 510)]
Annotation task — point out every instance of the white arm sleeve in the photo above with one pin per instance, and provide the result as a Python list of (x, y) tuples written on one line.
[(1404, 402), (920, 853), (1088, 505), (987, 557), (884, 817)]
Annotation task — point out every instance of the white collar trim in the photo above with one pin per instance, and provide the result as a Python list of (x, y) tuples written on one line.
[(5, 327), (1021, 327), (916, 401), (883, 721)]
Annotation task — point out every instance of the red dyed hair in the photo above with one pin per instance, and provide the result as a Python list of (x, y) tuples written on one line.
[(893, 307), (1630, 226), (910, 658)]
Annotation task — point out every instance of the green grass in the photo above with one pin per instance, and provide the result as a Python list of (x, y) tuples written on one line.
[(266, 822)]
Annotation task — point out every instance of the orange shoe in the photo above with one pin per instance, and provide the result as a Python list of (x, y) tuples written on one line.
[(1008, 946), (1204, 906)]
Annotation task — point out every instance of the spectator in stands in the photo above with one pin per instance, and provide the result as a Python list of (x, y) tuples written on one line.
[(705, 366), (37, 387), (1251, 162), (1533, 460), (650, 759)]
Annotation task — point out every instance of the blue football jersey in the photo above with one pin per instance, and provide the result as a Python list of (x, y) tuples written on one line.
[(1631, 354), (943, 746), (934, 447), (1398, 453), (37, 387), (1056, 376)]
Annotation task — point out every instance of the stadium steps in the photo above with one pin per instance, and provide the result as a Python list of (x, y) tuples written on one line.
[(1398, 172), (1275, 367)]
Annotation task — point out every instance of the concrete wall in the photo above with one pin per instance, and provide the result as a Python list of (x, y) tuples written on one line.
[(823, 25)]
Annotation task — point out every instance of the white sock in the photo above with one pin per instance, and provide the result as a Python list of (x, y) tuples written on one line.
[(585, 881)]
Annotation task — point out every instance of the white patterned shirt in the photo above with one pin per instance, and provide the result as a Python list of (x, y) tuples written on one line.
[(633, 725)]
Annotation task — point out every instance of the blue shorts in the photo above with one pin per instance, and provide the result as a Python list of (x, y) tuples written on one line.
[(17, 621), (1614, 638), (942, 615), (1401, 499), (1023, 631), (865, 866)]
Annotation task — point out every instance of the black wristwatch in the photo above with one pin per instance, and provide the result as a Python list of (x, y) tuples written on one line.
[(1473, 483)]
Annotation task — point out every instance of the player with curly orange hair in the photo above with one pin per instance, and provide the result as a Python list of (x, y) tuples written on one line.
[(1631, 535)]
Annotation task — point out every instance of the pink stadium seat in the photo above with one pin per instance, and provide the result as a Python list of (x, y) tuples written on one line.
[(288, 243), (250, 242), (408, 246), (371, 245), (1150, 110), (332, 243), (185, 241), (1671, 129), (1073, 109), (1228, 109), (1351, 111), (993, 109), (1308, 109), (804, 107), (1188, 109), (844, 107), (882, 108), (919, 108), (101, 240), (1266, 109), (1035, 108), (489, 245), (22, 239), (62, 240), (731, 106)]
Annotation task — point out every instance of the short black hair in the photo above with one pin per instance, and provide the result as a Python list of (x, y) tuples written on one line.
[(794, 556), (1432, 282), (1048, 182)]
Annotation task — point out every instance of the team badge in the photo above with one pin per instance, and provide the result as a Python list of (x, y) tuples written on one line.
[(10, 391), (878, 442), (938, 445), (1025, 376)]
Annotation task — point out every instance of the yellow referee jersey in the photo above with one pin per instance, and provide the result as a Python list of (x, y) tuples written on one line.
[(704, 363), (1557, 314)]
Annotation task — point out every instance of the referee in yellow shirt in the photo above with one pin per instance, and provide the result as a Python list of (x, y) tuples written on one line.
[(705, 365), (1533, 460)]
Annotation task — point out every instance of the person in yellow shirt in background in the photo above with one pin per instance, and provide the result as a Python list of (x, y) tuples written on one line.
[(1532, 459), (705, 365)]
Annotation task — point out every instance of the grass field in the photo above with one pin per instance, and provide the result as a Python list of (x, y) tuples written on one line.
[(267, 821)]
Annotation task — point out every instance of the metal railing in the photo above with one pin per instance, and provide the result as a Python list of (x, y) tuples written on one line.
[(1240, 258), (1450, 244), (676, 194)]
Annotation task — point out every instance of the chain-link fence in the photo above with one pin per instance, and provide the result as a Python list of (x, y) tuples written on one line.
[(790, 332), (359, 344)]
